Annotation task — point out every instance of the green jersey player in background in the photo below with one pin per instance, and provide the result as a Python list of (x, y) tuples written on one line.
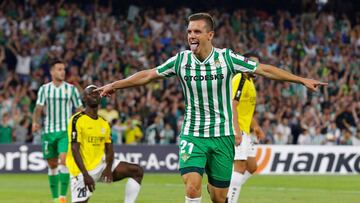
[(207, 134), (57, 98)]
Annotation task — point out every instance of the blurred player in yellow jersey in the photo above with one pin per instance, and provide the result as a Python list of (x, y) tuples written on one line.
[(244, 101), (90, 156)]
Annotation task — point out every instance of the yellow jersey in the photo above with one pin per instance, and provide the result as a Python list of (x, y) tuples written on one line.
[(92, 134), (243, 90), (132, 135)]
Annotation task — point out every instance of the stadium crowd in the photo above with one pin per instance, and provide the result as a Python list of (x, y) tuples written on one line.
[(100, 46)]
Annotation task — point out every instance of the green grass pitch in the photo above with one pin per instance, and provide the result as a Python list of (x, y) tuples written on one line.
[(28, 188)]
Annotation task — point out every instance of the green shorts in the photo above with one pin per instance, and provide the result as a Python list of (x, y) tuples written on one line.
[(215, 155), (53, 144)]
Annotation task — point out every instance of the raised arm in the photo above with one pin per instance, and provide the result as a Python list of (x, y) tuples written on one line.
[(12, 49)]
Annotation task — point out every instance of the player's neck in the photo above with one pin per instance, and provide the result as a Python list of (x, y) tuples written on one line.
[(205, 53), (57, 83), (92, 112)]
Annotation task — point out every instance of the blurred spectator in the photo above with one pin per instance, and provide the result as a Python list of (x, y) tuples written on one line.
[(304, 138), (356, 139), (333, 134), (153, 132), (133, 133), (167, 135), (23, 60), (117, 131), (282, 132), (318, 138), (21, 131), (6, 131), (109, 113), (346, 137)]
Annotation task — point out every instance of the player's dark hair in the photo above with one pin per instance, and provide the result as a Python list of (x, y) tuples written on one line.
[(252, 54), (53, 62), (203, 16)]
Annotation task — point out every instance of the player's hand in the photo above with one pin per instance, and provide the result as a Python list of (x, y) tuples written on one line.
[(312, 84), (238, 138), (89, 182), (106, 176), (35, 127), (106, 90), (259, 133)]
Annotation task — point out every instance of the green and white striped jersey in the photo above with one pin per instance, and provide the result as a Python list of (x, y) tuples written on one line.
[(58, 102), (207, 89)]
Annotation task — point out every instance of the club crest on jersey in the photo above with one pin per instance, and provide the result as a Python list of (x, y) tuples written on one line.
[(217, 64), (185, 157), (102, 130)]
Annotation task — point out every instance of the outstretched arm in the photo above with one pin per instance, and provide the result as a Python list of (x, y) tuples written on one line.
[(275, 73), (138, 79)]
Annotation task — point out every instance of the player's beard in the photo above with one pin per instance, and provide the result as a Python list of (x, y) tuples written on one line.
[(59, 78)]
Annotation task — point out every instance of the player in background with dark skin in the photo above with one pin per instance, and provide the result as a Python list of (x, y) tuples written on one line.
[(244, 103), (90, 157)]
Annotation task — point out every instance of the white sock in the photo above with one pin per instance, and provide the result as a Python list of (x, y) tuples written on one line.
[(52, 172), (192, 200), (132, 189), (235, 187), (63, 169), (246, 176)]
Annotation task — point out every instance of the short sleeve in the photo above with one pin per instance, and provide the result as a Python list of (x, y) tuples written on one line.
[(74, 129), (235, 86), (167, 69), (41, 96), (241, 63), (75, 97)]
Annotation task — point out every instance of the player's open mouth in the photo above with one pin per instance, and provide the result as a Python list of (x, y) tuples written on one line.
[(194, 46)]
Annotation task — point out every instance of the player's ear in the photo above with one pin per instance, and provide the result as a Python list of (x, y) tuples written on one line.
[(211, 35), (83, 98)]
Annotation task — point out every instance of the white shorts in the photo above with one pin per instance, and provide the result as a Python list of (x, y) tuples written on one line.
[(246, 149), (78, 190)]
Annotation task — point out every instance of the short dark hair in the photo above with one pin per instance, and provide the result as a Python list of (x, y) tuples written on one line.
[(252, 54), (55, 61), (203, 16)]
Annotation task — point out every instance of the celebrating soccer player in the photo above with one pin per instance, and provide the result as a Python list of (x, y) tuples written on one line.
[(207, 135), (58, 97), (91, 157)]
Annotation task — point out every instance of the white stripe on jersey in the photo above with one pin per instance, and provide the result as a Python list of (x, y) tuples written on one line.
[(57, 102), (207, 116)]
